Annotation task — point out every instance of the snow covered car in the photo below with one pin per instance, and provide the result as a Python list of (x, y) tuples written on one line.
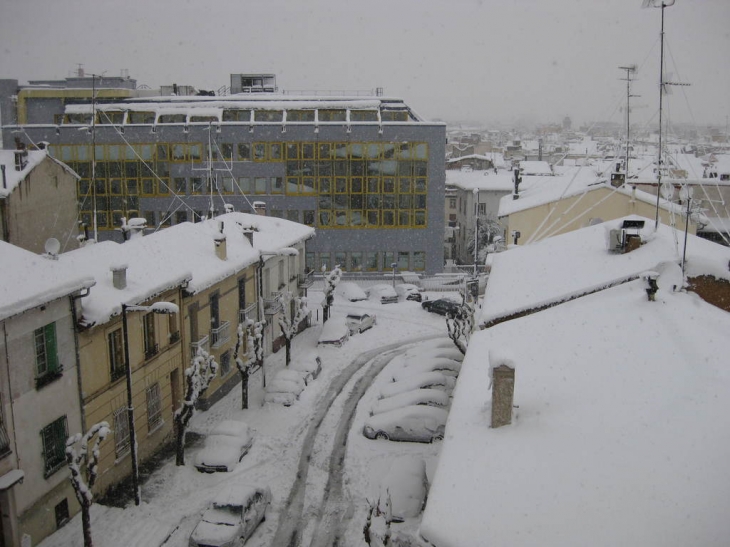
[(442, 306), (447, 367), (428, 396), (417, 381), (406, 485), (311, 366), (429, 351), (383, 292), (284, 388), (350, 291), (232, 516), (415, 423), (409, 291), (224, 447), (358, 322), (335, 332)]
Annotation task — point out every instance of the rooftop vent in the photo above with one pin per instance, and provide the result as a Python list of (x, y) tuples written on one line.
[(627, 238), (119, 276)]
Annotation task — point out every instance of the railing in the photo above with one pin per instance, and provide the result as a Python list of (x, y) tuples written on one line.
[(273, 304), (306, 280), (150, 352), (246, 313), (174, 336), (202, 343), (221, 335)]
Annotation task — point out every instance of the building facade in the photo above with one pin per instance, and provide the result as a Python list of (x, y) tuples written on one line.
[(367, 173)]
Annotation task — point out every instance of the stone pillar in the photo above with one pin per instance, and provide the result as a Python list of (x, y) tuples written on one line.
[(503, 390)]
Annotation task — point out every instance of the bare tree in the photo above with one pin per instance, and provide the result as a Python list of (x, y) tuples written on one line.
[(489, 229), (295, 311), (198, 376), (330, 283), (83, 486), (251, 337), (460, 325), (377, 526)]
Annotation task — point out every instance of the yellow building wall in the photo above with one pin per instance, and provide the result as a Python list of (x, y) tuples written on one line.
[(577, 212)]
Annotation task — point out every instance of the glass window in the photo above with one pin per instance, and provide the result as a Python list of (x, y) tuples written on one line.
[(308, 217), (356, 264), (363, 116), (277, 185), (275, 152), (300, 115), (419, 218), (181, 216), (225, 364), (154, 407), (388, 260), (181, 185), (259, 151), (244, 151), (419, 260), (228, 185), (341, 259), (308, 151), (293, 215), (420, 151), (141, 117), (371, 261), (268, 115), (226, 150), (46, 352), (197, 186), (404, 218), (54, 437), (121, 432), (244, 184), (116, 354), (261, 184), (373, 218), (203, 119), (332, 115), (325, 218), (388, 185), (292, 151), (308, 185), (324, 262), (277, 213), (171, 118), (403, 260), (148, 330), (388, 218)]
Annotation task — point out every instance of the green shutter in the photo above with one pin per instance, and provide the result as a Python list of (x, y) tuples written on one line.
[(51, 347)]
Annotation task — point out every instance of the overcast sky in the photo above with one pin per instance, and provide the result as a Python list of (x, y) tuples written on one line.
[(473, 60)]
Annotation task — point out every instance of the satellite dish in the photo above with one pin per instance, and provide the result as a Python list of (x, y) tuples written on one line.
[(667, 190), (52, 246)]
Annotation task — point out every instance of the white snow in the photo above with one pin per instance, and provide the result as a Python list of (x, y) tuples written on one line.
[(12, 177)]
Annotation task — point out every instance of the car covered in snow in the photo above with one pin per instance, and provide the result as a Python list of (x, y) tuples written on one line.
[(335, 332), (442, 306), (405, 484), (409, 291), (350, 291), (232, 516), (358, 322), (382, 292), (311, 365), (427, 396), (414, 423), (285, 387), (224, 447), (447, 367), (430, 351), (419, 380)]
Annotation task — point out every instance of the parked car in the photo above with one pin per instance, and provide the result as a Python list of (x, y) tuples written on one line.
[(442, 306), (406, 484), (427, 396), (422, 351), (383, 292), (350, 291), (311, 365), (358, 322), (224, 447), (409, 291), (284, 388), (335, 332), (416, 381), (447, 367), (415, 423), (233, 515)]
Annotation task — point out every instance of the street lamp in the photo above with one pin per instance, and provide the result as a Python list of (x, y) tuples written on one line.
[(158, 307), (393, 265)]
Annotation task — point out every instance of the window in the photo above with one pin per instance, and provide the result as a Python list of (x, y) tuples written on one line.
[(261, 184), (308, 218), (46, 355), (244, 151), (356, 261), (150, 341), (293, 215), (403, 260), (116, 354), (121, 431), (419, 260), (244, 185), (4, 439), (149, 216), (154, 407), (181, 216), (54, 437), (225, 363), (371, 259), (181, 185), (61, 511)]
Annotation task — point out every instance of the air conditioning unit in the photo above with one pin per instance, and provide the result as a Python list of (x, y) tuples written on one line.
[(616, 240)]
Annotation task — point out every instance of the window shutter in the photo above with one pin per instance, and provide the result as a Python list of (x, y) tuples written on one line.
[(51, 347)]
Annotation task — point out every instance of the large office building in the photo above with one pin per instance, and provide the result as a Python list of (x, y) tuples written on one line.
[(366, 172)]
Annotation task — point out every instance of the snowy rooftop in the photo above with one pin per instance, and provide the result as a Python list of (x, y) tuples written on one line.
[(535, 168), (576, 263), (483, 180), (620, 437), (13, 177), (157, 262), (29, 280)]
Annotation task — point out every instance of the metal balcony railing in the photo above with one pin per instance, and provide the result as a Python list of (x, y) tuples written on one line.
[(201, 343), (249, 312), (273, 304), (306, 280), (221, 335)]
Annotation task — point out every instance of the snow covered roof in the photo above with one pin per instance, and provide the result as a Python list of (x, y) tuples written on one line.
[(483, 180), (182, 253), (569, 182), (28, 280), (535, 168), (13, 177), (562, 267), (620, 437)]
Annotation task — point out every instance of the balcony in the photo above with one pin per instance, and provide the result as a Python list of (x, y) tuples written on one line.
[(221, 335), (151, 351), (248, 312), (202, 343), (306, 280), (272, 305)]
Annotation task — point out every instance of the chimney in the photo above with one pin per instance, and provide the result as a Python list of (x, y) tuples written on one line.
[(503, 390), (119, 276), (259, 207), (220, 243)]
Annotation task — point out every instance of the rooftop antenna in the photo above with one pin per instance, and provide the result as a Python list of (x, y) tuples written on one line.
[(631, 69)]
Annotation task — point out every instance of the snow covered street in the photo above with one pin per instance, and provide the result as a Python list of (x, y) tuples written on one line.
[(313, 456)]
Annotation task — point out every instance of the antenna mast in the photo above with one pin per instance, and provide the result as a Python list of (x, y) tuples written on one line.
[(631, 69), (93, 150)]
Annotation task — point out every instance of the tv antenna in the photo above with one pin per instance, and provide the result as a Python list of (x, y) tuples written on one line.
[(630, 70)]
